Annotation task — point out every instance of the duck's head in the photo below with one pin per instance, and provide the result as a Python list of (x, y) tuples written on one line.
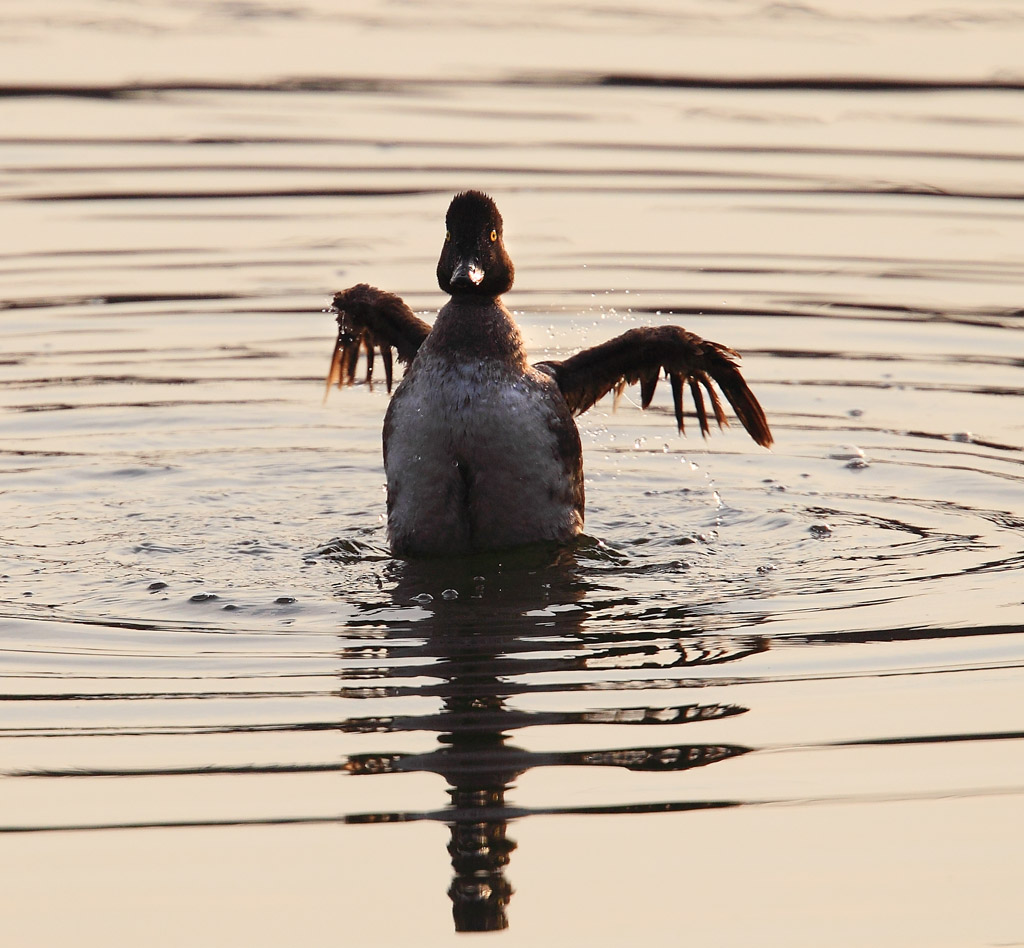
[(473, 260)]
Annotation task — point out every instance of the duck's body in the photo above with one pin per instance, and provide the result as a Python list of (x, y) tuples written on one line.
[(480, 448), (473, 434)]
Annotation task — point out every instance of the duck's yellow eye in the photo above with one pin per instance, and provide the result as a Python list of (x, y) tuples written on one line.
[(494, 235), (447, 236)]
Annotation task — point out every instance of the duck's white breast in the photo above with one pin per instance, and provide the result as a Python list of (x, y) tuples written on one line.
[(475, 458)]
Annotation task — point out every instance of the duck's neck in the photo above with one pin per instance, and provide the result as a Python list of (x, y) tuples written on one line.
[(470, 328)]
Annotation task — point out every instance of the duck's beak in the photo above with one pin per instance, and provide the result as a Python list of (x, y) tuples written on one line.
[(467, 271)]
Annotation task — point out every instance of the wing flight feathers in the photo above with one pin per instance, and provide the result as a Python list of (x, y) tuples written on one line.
[(371, 319), (642, 354)]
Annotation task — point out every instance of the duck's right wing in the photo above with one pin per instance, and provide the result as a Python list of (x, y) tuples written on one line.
[(641, 355), (372, 319)]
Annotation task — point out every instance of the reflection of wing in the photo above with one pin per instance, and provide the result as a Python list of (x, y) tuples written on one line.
[(640, 355), (369, 318)]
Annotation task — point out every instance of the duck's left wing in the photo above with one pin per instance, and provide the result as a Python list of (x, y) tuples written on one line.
[(642, 354), (371, 319)]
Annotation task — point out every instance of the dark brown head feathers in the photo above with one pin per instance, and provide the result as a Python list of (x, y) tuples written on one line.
[(473, 260)]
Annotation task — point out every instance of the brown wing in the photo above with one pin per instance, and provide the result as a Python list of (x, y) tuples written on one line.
[(641, 355), (371, 319)]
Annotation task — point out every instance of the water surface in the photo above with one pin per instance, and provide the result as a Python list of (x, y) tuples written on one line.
[(772, 697)]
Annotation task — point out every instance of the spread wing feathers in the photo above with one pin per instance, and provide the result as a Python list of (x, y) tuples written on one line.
[(371, 319), (641, 355)]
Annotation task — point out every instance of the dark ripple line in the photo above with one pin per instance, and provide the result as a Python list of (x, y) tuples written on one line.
[(83, 381), (792, 149), (504, 720), (474, 815), (392, 86), (597, 680), (213, 770), (604, 683), (514, 684), (156, 403), (196, 730), (492, 144), (931, 739), (848, 355), (947, 387), (501, 814), (528, 760), (173, 695), (806, 83), (114, 299), (423, 168), (827, 309), (249, 194), (905, 634), (186, 195)]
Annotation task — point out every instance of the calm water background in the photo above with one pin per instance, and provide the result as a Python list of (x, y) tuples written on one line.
[(774, 697)]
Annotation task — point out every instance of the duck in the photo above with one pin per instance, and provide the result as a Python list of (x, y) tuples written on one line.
[(481, 450)]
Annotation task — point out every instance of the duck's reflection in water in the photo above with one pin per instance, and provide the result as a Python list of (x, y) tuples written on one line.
[(518, 628), (479, 766)]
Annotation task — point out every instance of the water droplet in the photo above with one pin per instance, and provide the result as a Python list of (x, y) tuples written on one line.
[(845, 452), (450, 594)]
